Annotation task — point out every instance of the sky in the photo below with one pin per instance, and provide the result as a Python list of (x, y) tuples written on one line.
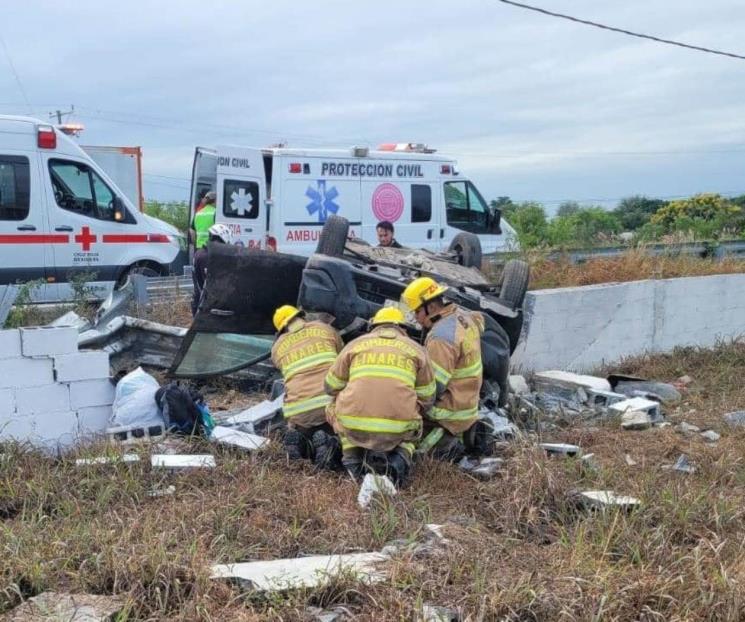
[(532, 107)]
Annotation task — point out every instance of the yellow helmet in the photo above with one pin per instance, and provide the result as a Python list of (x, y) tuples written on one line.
[(389, 315), (283, 315), (421, 290)]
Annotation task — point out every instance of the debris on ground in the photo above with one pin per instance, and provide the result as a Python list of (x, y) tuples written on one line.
[(434, 613), (124, 459), (636, 420), (684, 381), (134, 401), (58, 607), (683, 464), (237, 438), (605, 499), (176, 461), (374, 484), (638, 404), (518, 385), (257, 418), (483, 468), (335, 614), (736, 418), (561, 449), (302, 572), (711, 436), (589, 462), (638, 387), (568, 380), (687, 428), (134, 433), (162, 492), (630, 461)]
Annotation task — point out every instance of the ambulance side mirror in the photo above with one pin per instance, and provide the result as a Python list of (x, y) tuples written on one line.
[(496, 220), (120, 211)]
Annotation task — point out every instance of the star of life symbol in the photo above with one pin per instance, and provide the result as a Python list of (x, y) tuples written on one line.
[(322, 200), (240, 202)]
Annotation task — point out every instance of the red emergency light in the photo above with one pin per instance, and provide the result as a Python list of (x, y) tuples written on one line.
[(296, 167), (445, 169), (46, 137)]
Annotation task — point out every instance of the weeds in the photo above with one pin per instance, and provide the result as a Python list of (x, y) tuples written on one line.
[(24, 312)]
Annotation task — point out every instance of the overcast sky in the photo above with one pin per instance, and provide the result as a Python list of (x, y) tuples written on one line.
[(533, 107)]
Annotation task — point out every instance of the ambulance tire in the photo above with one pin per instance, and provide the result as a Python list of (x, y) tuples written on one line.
[(514, 283), (333, 236), (467, 247)]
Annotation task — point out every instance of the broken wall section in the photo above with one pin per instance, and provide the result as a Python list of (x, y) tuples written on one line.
[(52, 395), (581, 328)]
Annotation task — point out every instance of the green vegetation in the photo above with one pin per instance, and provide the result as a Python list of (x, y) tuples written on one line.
[(175, 213), (700, 217)]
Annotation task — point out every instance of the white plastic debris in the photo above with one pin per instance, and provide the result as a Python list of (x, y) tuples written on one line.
[(636, 420), (161, 492), (630, 461), (569, 378), (711, 436), (236, 438), (258, 412), (373, 484), (134, 401), (518, 385), (56, 606), (302, 572), (561, 449), (640, 404), (604, 499), (126, 458), (192, 461), (687, 428)]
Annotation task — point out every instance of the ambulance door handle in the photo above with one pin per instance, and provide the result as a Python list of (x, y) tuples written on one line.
[(248, 229), (27, 228), (442, 233), (63, 228), (429, 234)]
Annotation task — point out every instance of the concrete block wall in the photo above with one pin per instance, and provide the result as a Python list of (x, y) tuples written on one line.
[(51, 395), (582, 328)]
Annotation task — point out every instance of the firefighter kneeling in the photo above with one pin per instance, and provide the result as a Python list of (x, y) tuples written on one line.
[(382, 384), (304, 351), (453, 344)]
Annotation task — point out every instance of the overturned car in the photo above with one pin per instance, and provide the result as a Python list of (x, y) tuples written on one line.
[(347, 281)]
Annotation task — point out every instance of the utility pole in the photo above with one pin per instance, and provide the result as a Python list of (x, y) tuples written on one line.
[(59, 114)]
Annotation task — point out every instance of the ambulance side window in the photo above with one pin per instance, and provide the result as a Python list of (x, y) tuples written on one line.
[(465, 207), (240, 199), (79, 189), (14, 187), (421, 203)]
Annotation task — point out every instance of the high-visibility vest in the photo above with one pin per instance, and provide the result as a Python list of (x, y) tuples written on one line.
[(203, 220)]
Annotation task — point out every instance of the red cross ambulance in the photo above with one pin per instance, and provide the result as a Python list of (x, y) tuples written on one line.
[(279, 198), (62, 216)]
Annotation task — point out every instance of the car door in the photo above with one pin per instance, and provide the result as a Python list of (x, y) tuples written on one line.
[(25, 239)]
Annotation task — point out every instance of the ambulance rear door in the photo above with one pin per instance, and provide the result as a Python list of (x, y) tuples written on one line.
[(241, 194)]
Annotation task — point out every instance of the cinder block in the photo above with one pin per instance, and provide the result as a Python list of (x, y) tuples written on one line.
[(7, 404), (44, 399), (88, 393), (49, 340), (94, 421), (10, 344), (52, 431), (81, 366), (18, 373)]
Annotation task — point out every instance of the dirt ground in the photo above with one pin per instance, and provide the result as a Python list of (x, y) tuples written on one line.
[(519, 548)]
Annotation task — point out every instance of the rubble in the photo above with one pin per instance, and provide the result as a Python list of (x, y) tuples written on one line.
[(605, 499), (56, 607), (259, 416), (636, 420), (736, 418), (687, 428), (302, 572), (237, 438), (374, 484), (434, 613), (565, 379), (650, 407), (589, 462), (518, 385), (133, 434), (683, 464), (184, 461), (711, 436), (561, 449), (124, 459), (658, 391), (483, 468)]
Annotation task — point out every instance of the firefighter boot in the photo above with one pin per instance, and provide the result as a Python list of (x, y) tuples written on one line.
[(353, 463), (399, 465), (479, 439), (296, 444), (449, 449), (326, 451)]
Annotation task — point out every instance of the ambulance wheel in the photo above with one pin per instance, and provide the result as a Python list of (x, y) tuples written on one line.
[(333, 236), (145, 268), (467, 248), (514, 283)]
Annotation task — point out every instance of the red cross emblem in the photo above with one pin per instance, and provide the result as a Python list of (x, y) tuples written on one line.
[(85, 238)]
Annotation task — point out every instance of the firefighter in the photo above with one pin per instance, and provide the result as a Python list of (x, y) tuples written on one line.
[(382, 384), (304, 351), (454, 346)]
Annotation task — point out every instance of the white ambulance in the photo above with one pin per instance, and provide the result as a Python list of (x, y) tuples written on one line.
[(279, 198), (61, 216)]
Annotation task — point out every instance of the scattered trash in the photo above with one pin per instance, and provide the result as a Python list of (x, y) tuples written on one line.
[(589, 462), (335, 614), (302, 572), (434, 613), (687, 428), (658, 391), (636, 420), (604, 499), (259, 416), (483, 468), (518, 385), (736, 418), (603, 399), (561, 449), (501, 427), (711, 436), (134, 401), (161, 492), (191, 461), (683, 464), (126, 458), (373, 484), (55, 607), (237, 438), (567, 379), (630, 461), (650, 407)]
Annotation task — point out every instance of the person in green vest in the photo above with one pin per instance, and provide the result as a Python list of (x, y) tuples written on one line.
[(203, 220)]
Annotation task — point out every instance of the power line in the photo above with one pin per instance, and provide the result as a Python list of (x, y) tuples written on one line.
[(15, 73), (621, 30)]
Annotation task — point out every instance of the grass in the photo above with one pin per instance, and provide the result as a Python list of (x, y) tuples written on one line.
[(520, 549), (633, 265)]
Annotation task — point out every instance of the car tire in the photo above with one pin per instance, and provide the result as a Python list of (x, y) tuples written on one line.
[(467, 247), (514, 283), (333, 236)]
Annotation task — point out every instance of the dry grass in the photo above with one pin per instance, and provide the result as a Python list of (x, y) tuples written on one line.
[(634, 265), (520, 549)]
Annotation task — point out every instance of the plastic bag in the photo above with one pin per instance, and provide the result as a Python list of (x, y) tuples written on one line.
[(134, 400)]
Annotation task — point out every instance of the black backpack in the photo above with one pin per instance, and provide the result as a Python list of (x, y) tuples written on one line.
[(180, 408)]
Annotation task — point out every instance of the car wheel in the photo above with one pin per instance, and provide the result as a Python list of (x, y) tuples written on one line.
[(333, 236), (514, 283), (467, 248)]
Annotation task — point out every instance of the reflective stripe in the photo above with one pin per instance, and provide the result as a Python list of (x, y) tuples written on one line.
[(439, 414), (408, 448), (472, 371), (290, 409), (346, 444), (429, 441), (426, 390), (382, 371), (334, 382), (378, 425), (441, 375), (306, 363)]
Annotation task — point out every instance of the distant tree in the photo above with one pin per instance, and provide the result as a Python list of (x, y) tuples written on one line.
[(529, 221), (567, 208), (636, 211), (704, 216), (502, 203), (589, 226)]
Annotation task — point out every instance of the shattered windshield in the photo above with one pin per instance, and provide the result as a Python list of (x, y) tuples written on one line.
[(219, 353)]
